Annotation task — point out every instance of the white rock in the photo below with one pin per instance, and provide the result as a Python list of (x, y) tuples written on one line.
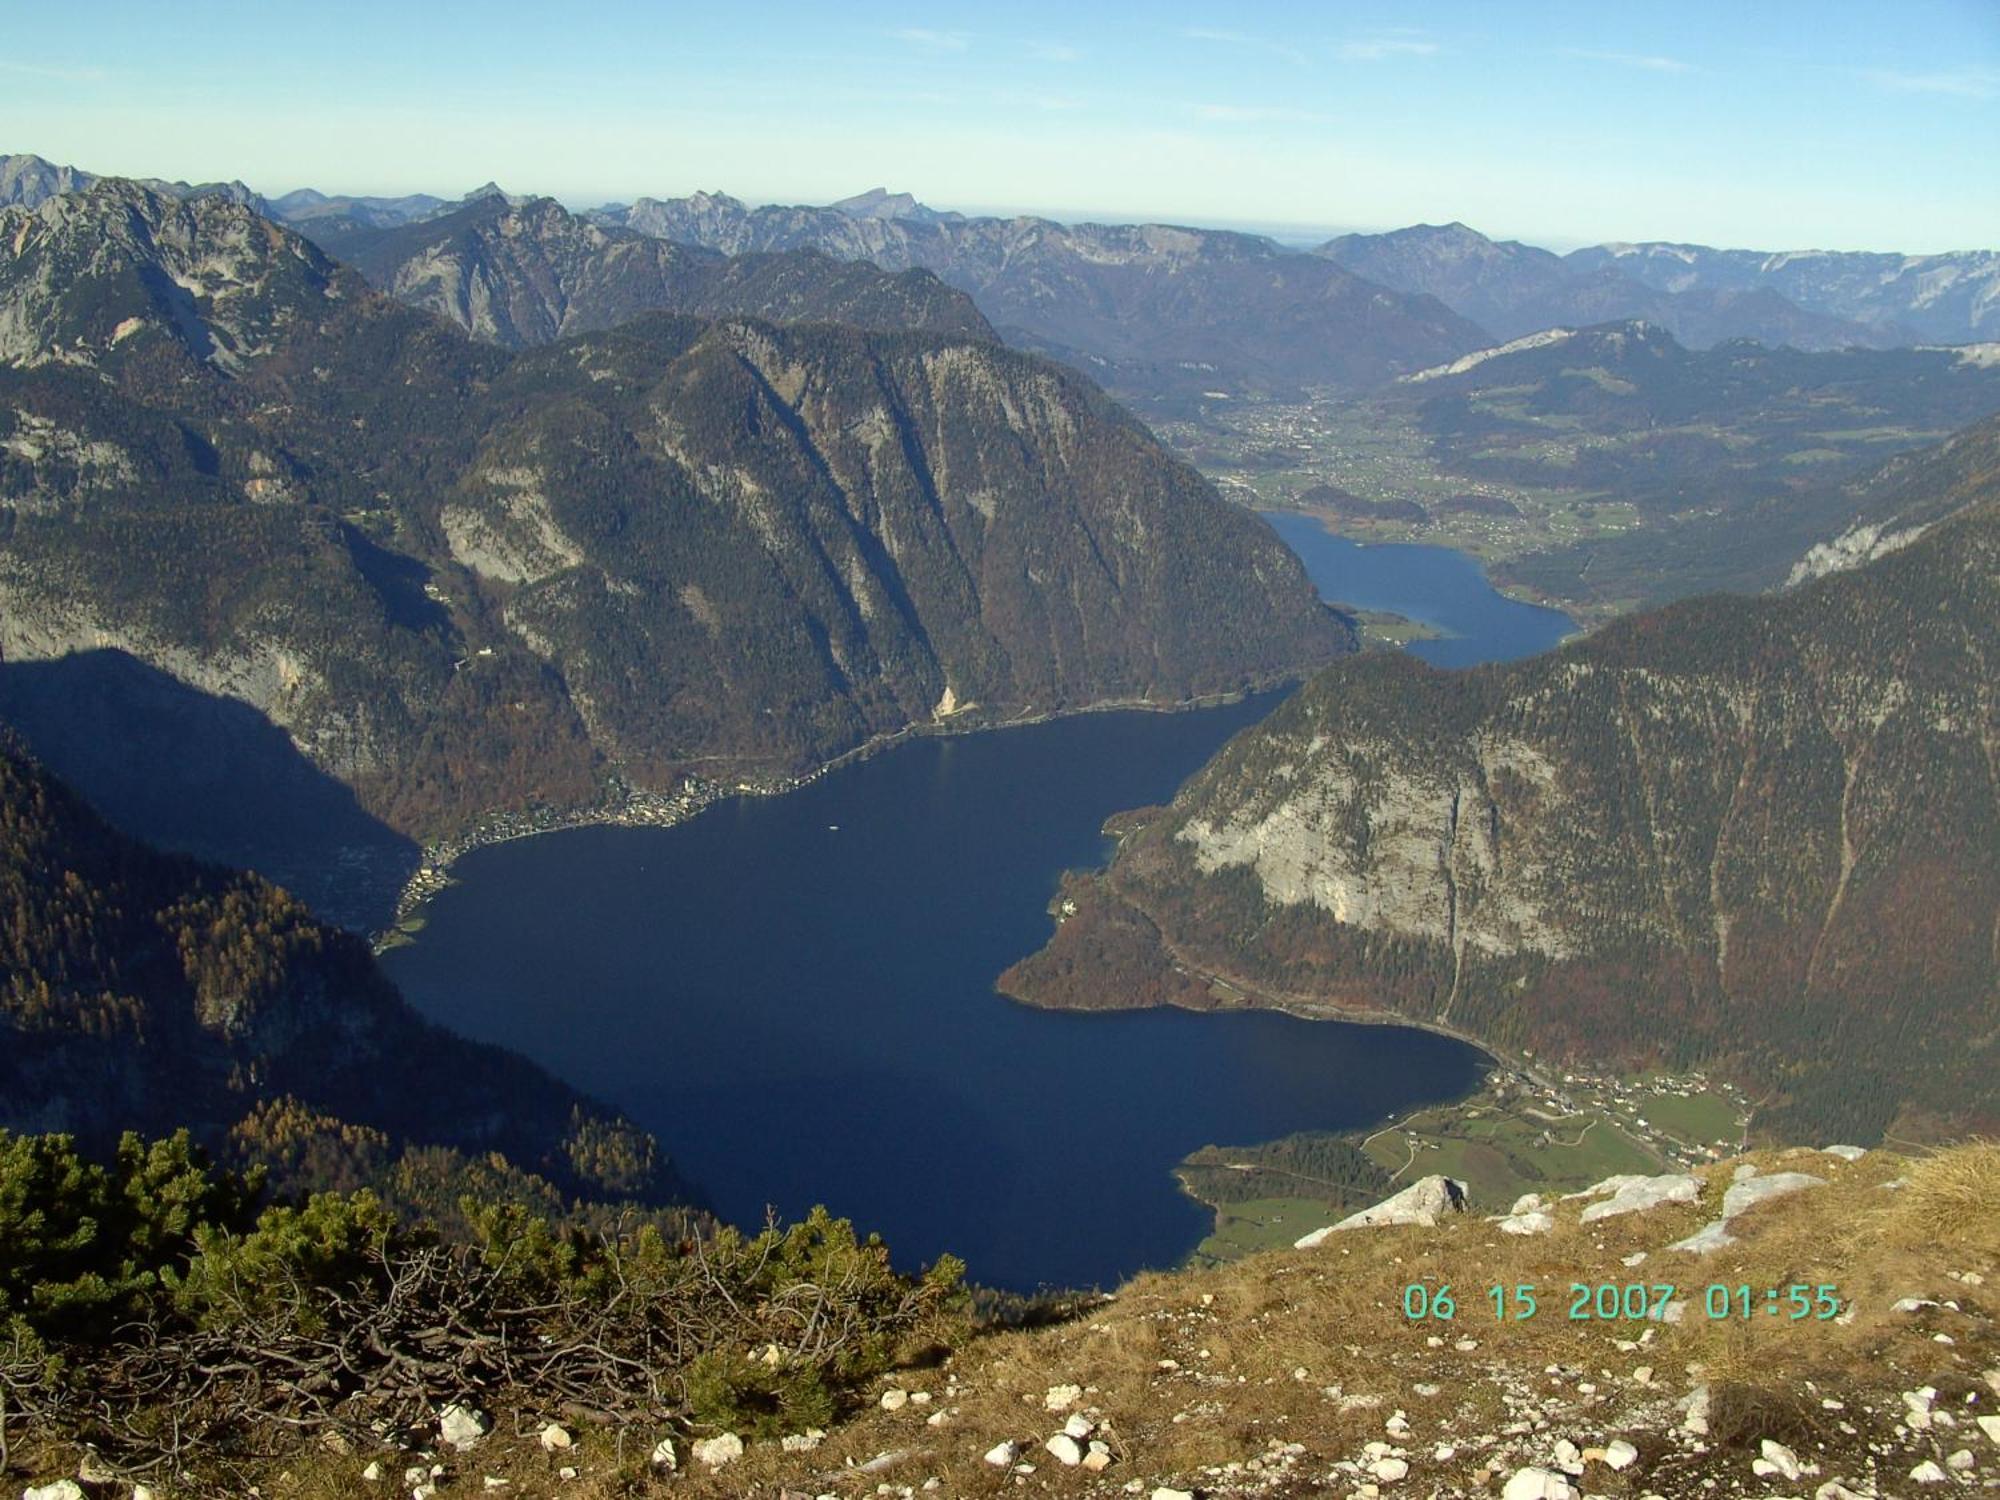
[(373, 1473), (1712, 1236), (1619, 1454), (1163, 1493), (1068, 1452), (1536, 1484), (1928, 1472), (1098, 1459), (1696, 1420), (1001, 1455), (555, 1438), (1633, 1194), (62, 1489), (461, 1426), (1990, 1426), (1527, 1203), (1781, 1460), (1833, 1489), (1569, 1458), (1961, 1461), (1537, 1221), (895, 1399), (1079, 1426), (1747, 1195), (1389, 1469), (717, 1451), (802, 1442), (1423, 1202), (1062, 1397), (1845, 1153), (664, 1456)]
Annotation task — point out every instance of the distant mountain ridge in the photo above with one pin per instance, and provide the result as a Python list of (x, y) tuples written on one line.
[(521, 272), (1156, 311), (1516, 289), (1952, 298)]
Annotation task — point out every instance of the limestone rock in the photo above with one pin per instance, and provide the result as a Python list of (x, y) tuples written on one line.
[(717, 1451), (1537, 1484), (62, 1489), (1637, 1193), (555, 1438), (1423, 1202), (461, 1426), (1002, 1455), (1068, 1452), (664, 1456), (1062, 1397)]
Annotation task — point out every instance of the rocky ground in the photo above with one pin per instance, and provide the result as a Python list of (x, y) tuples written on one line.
[(1301, 1372)]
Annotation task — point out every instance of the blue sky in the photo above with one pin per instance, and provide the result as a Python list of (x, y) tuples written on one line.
[(1772, 123)]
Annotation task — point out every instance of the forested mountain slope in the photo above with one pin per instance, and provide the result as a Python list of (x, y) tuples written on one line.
[(151, 992), (1755, 833), (462, 579)]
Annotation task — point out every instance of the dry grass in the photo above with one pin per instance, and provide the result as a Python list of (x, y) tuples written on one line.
[(1237, 1337), (1952, 1199)]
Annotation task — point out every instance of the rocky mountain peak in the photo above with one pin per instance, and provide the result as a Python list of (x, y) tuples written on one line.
[(93, 275)]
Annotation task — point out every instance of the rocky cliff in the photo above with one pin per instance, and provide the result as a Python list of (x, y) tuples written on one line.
[(1759, 833)]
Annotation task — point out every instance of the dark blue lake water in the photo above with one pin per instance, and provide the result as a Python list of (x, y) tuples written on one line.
[(1435, 585), (796, 993)]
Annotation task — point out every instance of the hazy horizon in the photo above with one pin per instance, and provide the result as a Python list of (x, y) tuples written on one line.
[(1779, 127)]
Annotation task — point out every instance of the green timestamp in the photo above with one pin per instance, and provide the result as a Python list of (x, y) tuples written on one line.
[(1609, 1301)]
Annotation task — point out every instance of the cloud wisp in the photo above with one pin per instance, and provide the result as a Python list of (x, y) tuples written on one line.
[(1973, 83), (927, 39), (1649, 62)]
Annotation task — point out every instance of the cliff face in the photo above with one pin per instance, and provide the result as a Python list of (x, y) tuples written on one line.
[(526, 274), (1763, 832), (463, 580)]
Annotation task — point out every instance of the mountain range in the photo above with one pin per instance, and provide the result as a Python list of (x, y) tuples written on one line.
[(1734, 458), (1156, 312), (1754, 834), (1511, 289), (464, 580), (527, 272)]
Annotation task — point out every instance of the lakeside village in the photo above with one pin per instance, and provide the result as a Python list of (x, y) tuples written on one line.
[(621, 805)]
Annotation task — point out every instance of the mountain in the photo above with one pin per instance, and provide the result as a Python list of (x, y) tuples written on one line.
[(305, 205), (27, 181), (880, 203), (1514, 289), (526, 273), (1731, 461), (151, 992), (1754, 834), (1156, 312), (1949, 299), (463, 580)]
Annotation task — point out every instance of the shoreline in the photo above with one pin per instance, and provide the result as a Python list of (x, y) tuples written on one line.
[(632, 807)]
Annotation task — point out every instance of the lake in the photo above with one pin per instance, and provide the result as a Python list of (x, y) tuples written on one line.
[(795, 994), (1435, 585)]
